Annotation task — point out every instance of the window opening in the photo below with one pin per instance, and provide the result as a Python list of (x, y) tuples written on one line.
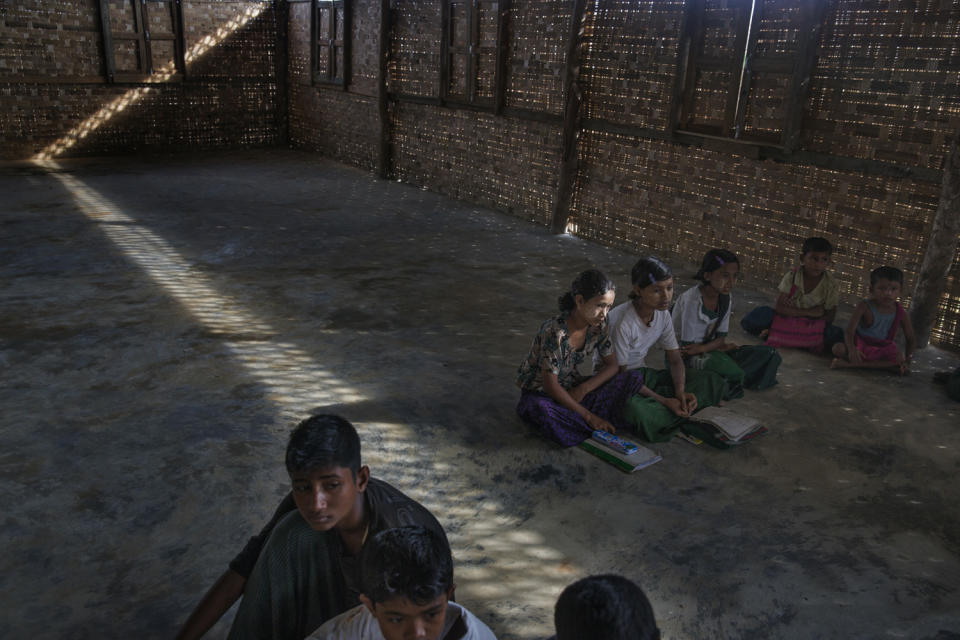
[(330, 38), (142, 39)]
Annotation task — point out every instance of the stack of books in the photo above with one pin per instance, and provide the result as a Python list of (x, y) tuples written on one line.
[(627, 458), (722, 427)]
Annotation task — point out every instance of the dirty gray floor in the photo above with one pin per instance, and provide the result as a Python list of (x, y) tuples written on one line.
[(165, 322)]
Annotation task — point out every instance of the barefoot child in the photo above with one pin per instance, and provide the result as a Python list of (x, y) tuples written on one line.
[(669, 396), (869, 340), (555, 397), (701, 318), (806, 306)]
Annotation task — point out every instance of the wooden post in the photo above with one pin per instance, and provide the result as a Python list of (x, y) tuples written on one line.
[(281, 15), (571, 120), (941, 249), (383, 98)]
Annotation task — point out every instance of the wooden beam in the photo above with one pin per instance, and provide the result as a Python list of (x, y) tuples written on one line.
[(444, 75), (751, 148), (109, 64), (691, 44), (314, 36), (811, 24), (500, 79), (741, 76), (383, 97), (941, 249), (281, 13), (571, 119), (347, 7)]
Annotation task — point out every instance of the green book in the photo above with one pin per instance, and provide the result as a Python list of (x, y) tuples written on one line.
[(643, 457)]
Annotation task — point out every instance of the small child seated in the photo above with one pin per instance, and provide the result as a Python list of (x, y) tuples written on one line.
[(406, 587), (604, 607), (806, 306), (870, 337)]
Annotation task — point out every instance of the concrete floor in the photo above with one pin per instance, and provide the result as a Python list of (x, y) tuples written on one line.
[(166, 321)]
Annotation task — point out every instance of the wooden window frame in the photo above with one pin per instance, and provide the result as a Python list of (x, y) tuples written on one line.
[(331, 75), (471, 51), (143, 37), (799, 68)]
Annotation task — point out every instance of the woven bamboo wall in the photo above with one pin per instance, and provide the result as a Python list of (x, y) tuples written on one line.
[(536, 51), (885, 91), (502, 163), (694, 199), (653, 195), (630, 69), (53, 85), (884, 96), (336, 122), (886, 84), (415, 63)]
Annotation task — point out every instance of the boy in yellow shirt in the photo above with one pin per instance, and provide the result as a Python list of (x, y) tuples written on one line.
[(807, 304)]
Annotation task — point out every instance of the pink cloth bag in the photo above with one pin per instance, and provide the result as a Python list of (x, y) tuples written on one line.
[(796, 332)]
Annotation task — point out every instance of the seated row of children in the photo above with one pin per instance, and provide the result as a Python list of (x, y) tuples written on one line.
[(704, 369), (807, 305), (349, 557)]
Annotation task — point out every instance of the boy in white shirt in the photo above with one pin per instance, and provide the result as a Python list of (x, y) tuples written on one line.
[(407, 583)]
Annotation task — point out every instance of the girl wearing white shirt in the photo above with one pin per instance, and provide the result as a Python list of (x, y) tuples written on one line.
[(701, 318)]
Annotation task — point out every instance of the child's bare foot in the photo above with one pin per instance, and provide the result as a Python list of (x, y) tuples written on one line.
[(763, 334)]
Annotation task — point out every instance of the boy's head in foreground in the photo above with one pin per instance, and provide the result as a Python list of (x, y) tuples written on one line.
[(323, 460), (406, 578), (604, 607), (815, 256)]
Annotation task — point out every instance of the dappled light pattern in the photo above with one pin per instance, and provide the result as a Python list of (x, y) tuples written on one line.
[(498, 559), (293, 381), (119, 105)]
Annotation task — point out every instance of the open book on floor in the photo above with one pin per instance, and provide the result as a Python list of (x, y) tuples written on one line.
[(642, 457), (721, 427)]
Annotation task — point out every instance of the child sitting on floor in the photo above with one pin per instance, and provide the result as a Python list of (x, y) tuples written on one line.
[(806, 306), (406, 588), (636, 326), (605, 607), (701, 317), (869, 340), (555, 397)]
